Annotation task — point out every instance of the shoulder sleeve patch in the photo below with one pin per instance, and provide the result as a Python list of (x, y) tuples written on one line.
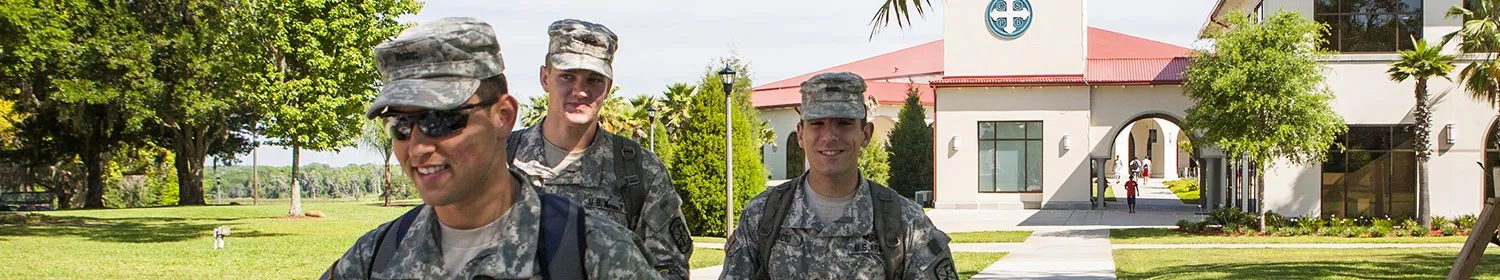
[(944, 270)]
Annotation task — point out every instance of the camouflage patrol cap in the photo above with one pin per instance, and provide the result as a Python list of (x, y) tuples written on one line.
[(578, 44), (436, 65), (833, 95)]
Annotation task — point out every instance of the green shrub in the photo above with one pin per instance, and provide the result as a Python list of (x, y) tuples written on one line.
[(1383, 224), (1438, 222), (1377, 231), (1346, 231), (1466, 222), (698, 170), (1364, 231), (1250, 231), (1328, 231), (911, 146), (1412, 228), (1311, 223), (1184, 224), (1449, 229), (1232, 216), (1275, 220)]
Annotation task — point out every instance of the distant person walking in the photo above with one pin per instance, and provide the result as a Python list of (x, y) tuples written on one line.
[(1119, 168), (1131, 189), (1145, 169), (1135, 168)]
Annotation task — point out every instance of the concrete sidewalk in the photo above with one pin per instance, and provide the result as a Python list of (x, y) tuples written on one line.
[(1057, 254)]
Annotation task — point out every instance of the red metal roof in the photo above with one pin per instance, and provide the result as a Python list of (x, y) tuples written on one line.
[(1105, 44), (924, 59), (1113, 59), (886, 93)]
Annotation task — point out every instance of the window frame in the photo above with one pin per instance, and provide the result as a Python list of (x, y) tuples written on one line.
[(1026, 140), (1335, 34)]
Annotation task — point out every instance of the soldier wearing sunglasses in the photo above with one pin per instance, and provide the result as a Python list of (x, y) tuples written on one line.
[(609, 174), (446, 105)]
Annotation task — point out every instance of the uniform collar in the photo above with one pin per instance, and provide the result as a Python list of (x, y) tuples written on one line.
[(858, 218), (512, 258), (532, 149)]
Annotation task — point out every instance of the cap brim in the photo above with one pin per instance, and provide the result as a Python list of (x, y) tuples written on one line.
[(570, 61), (823, 110), (436, 94)]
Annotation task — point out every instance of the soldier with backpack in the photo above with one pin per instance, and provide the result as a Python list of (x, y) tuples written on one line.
[(573, 157), (447, 107), (831, 222)]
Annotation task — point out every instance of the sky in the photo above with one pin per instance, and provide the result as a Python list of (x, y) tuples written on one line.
[(673, 41)]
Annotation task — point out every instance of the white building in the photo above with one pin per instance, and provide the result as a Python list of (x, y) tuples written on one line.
[(1028, 98)]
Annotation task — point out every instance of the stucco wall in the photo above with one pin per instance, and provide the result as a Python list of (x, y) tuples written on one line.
[(1065, 178), (1054, 43)]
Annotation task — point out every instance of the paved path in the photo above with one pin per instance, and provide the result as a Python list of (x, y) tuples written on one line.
[(1057, 254), (707, 273)]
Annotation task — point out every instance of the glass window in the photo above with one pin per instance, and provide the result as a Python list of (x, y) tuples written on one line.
[(1010, 157), (1370, 179), (1370, 25)]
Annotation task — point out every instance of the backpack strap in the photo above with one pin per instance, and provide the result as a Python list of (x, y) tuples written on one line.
[(390, 240), (562, 238), (628, 168), (889, 229), (778, 199)]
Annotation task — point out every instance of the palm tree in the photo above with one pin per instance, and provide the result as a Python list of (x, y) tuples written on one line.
[(1421, 63), (900, 10), (536, 108), (674, 105), (374, 137), (1480, 35)]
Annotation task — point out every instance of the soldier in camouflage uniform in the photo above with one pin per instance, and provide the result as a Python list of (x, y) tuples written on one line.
[(831, 223), (573, 156), (445, 102)]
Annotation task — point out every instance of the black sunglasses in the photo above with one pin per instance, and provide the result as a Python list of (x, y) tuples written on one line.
[(434, 123)]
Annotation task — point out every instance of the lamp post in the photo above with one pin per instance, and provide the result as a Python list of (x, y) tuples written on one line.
[(727, 76), (651, 111)]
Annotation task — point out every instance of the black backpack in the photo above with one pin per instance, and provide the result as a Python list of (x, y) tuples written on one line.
[(889, 228), (562, 239), (627, 166)]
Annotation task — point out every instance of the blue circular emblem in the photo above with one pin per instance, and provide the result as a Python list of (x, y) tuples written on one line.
[(1008, 18)]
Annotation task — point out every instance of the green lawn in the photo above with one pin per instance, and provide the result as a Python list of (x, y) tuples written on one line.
[(175, 242), (1109, 193), (1003, 236), (1166, 236), (969, 264), (1294, 264), (708, 239), (705, 257), (1186, 190)]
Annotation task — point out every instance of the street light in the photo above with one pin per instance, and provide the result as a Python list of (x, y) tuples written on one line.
[(651, 111), (727, 76)]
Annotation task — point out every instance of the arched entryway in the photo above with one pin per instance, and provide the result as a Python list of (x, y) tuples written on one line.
[(1153, 135)]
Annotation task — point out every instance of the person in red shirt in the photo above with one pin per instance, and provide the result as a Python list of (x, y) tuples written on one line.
[(1130, 190)]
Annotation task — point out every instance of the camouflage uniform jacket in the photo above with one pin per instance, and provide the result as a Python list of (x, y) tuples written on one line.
[(844, 249), (591, 181), (610, 252)]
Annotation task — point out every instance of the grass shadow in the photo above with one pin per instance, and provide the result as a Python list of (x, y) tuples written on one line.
[(1422, 265), (124, 230)]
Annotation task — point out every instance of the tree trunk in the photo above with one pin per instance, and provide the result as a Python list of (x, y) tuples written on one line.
[(255, 173), (296, 189), (386, 178), (93, 168), (1423, 141), (191, 148)]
